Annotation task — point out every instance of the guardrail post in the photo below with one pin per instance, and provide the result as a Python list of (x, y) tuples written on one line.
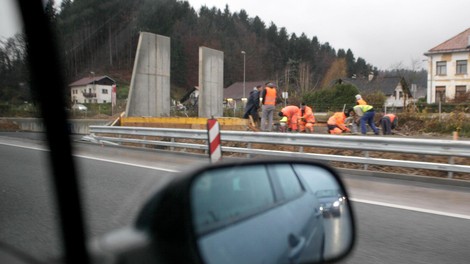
[(366, 154), (450, 174), (248, 146), (145, 139), (172, 141), (301, 149)]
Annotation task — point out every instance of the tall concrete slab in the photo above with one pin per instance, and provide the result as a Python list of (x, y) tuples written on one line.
[(149, 94), (211, 82)]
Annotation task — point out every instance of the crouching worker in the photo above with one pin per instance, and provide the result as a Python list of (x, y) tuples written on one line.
[(388, 122), (307, 119), (336, 123), (292, 113)]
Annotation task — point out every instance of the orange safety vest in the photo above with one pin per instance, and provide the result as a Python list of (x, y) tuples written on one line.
[(391, 116), (361, 102), (308, 115), (270, 96), (293, 113), (337, 120)]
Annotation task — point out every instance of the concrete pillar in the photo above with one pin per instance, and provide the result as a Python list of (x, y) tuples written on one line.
[(149, 94), (211, 82)]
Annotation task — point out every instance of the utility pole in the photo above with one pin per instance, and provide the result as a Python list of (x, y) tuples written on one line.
[(244, 53)]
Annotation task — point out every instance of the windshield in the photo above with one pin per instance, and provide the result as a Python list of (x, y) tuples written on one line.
[(281, 71)]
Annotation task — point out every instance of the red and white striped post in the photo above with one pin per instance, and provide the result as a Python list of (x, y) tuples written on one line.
[(213, 131)]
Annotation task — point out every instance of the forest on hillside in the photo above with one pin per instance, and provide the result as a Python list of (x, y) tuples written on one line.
[(101, 36)]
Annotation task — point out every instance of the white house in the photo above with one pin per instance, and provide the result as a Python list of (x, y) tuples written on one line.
[(448, 75), (97, 89)]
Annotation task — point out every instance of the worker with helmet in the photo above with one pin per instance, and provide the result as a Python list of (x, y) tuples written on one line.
[(359, 100)]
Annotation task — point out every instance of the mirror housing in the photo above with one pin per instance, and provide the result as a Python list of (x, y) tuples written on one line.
[(278, 224)]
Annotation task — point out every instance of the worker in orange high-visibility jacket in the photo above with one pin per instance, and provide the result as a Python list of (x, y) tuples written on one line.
[(336, 123), (268, 105), (388, 122), (307, 119), (292, 112)]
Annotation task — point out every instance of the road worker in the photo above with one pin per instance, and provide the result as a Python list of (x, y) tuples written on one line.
[(366, 114), (388, 122), (336, 123), (268, 105), (307, 119), (292, 112), (359, 100)]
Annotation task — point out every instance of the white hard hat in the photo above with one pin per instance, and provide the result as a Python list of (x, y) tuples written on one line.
[(358, 96)]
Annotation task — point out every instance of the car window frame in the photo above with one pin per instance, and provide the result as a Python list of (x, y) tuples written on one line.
[(279, 191), (44, 59), (214, 227)]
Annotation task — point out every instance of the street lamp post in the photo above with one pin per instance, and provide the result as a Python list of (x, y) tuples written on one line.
[(244, 53)]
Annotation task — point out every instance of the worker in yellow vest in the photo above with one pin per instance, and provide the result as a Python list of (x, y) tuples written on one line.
[(366, 114)]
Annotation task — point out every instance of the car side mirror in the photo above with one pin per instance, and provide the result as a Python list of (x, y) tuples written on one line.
[(270, 212), (250, 212)]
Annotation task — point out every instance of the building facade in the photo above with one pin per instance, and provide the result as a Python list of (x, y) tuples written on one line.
[(448, 73), (92, 90)]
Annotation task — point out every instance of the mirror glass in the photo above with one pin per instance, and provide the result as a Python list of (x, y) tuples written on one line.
[(270, 213)]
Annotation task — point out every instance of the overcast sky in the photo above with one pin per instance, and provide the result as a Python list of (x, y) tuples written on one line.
[(385, 33)]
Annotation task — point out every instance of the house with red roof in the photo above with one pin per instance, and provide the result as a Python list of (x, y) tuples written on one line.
[(448, 73)]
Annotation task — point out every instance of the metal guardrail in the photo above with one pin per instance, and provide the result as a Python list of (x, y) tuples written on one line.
[(365, 144)]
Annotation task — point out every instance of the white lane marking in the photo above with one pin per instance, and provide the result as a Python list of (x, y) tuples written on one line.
[(127, 164), (410, 208), (25, 147), (352, 199), (97, 159)]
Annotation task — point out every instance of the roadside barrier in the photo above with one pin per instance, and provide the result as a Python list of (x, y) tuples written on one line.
[(364, 150)]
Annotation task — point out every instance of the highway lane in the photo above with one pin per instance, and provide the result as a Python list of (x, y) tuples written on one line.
[(116, 182), (400, 221), (388, 235), (113, 190)]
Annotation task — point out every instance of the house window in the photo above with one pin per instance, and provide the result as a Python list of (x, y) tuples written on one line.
[(441, 68), (104, 91), (461, 67), (440, 94)]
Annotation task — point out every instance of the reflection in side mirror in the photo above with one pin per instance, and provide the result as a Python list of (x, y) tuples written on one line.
[(271, 212)]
